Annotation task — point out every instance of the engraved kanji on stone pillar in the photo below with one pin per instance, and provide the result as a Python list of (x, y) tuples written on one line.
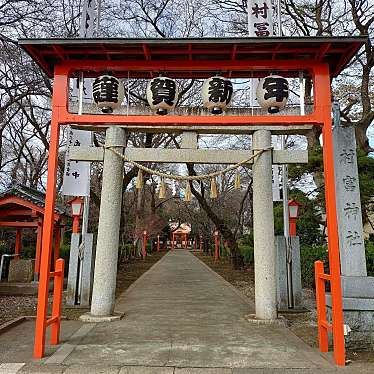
[(351, 240)]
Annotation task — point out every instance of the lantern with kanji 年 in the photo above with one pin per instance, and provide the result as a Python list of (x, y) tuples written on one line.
[(217, 93), (162, 94), (108, 93), (272, 93)]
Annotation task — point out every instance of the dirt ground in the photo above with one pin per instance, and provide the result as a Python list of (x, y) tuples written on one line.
[(304, 324), (16, 306)]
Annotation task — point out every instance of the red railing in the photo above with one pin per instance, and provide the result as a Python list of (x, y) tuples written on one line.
[(58, 285), (324, 327), (55, 320)]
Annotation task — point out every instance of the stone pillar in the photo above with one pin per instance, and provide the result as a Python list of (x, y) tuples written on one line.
[(103, 294), (86, 271), (351, 241), (357, 287), (263, 229), (71, 290), (281, 250)]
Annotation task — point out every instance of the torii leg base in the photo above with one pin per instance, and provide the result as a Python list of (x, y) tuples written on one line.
[(88, 317)]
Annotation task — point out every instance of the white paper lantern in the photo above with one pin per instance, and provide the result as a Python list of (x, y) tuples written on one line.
[(272, 93), (108, 93), (217, 93), (162, 94)]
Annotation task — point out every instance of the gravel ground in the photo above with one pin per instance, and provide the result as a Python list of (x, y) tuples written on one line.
[(16, 306)]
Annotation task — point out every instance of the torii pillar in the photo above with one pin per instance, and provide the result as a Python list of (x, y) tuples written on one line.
[(263, 230), (104, 286)]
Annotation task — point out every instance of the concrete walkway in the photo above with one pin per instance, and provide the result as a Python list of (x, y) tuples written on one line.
[(181, 317)]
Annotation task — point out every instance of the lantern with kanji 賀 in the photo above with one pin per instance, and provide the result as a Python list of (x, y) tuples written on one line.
[(108, 93), (217, 93), (162, 94), (272, 93)]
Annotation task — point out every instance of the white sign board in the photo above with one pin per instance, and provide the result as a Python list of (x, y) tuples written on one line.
[(260, 24), (260, 18), (77, 173)]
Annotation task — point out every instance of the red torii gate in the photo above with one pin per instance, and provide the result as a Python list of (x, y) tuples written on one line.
[(318, 57)]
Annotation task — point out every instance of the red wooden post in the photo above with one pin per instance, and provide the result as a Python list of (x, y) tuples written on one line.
[(216, 245), (39, 234), (322, 81), (321, 306), (292, 227), (75, 229), (55, 321), (17, 249), (60, 82), (57, 242), (158, 243), (144, 244)]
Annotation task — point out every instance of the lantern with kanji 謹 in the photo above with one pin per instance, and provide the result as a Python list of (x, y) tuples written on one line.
[(108, 93), (272, 93), (217, 93), (162, 94)]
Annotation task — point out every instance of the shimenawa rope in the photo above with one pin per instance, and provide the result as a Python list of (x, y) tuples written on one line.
[(186, 177)]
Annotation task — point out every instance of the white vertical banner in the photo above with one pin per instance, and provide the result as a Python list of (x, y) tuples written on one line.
[(76, 180), (260, 18), (89, 29), (89, 20), (260, 24), (77, 173)]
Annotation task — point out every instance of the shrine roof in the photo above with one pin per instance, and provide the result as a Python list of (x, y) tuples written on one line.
[(336, 51), (31, 195)]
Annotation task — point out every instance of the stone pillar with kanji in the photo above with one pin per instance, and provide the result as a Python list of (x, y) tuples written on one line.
[(357, 287)]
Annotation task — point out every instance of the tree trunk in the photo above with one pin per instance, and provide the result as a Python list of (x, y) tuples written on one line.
[(361, 135), (236, 257)]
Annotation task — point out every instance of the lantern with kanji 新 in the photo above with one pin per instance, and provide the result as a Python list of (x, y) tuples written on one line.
[(272, 93), (217, 93), (162, 94), (108, 93)]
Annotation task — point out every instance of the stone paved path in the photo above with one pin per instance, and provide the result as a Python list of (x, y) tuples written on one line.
[(180, 317)]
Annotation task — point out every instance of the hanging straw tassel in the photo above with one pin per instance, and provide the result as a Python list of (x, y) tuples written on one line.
[(237, 180), (139, 180), (213, 188), (187, 192), (162, 191)]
